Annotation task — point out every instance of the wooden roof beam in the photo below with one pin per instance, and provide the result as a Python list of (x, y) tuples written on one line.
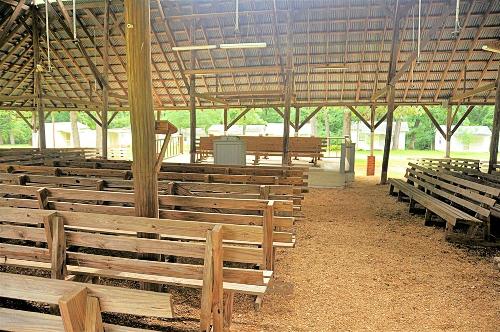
[(432, 31), (12, 19), (236, 70), (467, 94)]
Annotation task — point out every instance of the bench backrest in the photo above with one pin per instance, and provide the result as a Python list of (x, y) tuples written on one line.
[(276, 192), (270, 144), (170, 176), (99, 237), (469, 195), (80, 305)]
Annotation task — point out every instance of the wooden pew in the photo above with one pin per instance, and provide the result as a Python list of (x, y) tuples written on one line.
[(452, 198), (222, 190), (31, 156), (267, 145), (203, 209), (80, 304), (74, 234), (165, 176)]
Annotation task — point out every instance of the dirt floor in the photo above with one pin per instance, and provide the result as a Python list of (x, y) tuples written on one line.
[(363, 263)]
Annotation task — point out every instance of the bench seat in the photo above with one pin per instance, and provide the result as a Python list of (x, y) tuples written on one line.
[(447, 212)]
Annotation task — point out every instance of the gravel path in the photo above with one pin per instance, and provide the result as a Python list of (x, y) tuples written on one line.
[(362, 263)]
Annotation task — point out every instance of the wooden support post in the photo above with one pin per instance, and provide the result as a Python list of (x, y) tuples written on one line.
[(93, 319), (267, 242), (192, 110), (72, 307), (288, 94), (372, 129), (228, 309), (390, 94), (105, 89), (218, 289), (297, 121), (449, 119), (264, 192), (56, 241), (138, 37), (496, 128), (37, 82), (225, 121), (42, 198), (207, 288)]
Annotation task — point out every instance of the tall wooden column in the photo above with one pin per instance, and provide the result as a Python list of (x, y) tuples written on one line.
[(449, 119), (372, 129), (37, 83), (225, 121), (390, 95), (140, 97), (192, 112), (105, 89), (496, 128), (297, 121), (288, 95)]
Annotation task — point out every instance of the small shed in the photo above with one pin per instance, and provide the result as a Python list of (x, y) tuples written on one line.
[(466, 138), (360, 134)]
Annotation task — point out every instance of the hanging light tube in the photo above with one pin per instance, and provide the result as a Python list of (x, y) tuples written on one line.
[(47, 33), (243, 45), (193, 47)]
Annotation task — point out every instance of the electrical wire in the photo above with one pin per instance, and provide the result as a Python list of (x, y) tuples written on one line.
[(47, 33), (74, 19), (419, 29), (237, 12), (457, 19)]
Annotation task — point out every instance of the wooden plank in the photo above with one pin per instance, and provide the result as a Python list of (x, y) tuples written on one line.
[(217, 289), (207, 288), (72, 307), (112, 299), (93, 319), (267, 242)]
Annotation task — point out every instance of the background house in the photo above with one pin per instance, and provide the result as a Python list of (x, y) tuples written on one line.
[(466, 138), (59, 135), (360, 134)]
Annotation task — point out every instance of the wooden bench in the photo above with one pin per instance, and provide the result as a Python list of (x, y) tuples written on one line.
[(80, 305), (166, 176), (94, 245), (223, 190), (267, 145), (468, 173), (294, 171), (203, 209), (31, 156), (453, 199)]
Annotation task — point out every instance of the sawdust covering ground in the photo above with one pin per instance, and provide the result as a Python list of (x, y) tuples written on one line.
[(363, 263)]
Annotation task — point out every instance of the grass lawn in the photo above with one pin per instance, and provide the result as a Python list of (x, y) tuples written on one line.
[(14, 146), (398, 159)]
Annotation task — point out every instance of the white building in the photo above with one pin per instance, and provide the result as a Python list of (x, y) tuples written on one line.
[(360, 134), (59, 135), (466, 138)]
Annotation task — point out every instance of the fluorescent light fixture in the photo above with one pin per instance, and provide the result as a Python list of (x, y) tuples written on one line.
[(494, 47), (331, 67), (194, 47), (243, 45)]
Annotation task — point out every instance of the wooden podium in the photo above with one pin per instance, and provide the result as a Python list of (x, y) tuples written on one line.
[(167, 128)]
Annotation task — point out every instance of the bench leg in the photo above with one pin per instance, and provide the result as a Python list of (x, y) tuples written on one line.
[(258, 303), (228, 309), (411, 206), (391, 190), (400, 196), (428, 218)]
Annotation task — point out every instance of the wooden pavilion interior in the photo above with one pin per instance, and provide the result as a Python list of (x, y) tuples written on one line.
[(152, 56)]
